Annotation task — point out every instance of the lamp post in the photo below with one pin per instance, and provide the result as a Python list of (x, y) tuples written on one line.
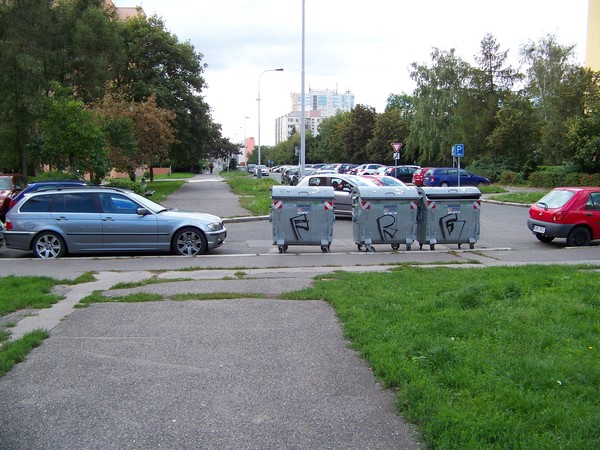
[(259, 172)]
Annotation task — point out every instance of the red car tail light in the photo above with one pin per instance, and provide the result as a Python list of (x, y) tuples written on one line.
[(559, 216), (8, 225)]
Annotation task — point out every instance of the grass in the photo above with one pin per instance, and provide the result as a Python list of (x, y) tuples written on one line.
[(492, 189), (162, 189), (519, 197), (174, 175), (15, 352), (255, 193), (497, 358)]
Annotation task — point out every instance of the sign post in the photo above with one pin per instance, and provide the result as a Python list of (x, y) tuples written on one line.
[(397, 146), (458, 151)]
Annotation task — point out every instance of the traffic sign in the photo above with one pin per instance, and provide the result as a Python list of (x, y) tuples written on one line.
[(396, 155), (459, 150), (397, 146)]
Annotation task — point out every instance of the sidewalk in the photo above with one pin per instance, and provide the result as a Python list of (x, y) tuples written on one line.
[(246, 373)]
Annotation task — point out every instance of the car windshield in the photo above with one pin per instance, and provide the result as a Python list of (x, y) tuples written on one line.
[(556, 199), (148, 204), (390, 181), (4, 183), (359, 181)]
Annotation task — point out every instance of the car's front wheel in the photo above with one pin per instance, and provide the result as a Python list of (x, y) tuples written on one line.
[(189, 242), (49, 245), (579, 237)]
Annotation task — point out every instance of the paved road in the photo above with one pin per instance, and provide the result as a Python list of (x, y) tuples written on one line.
[(198, 374)]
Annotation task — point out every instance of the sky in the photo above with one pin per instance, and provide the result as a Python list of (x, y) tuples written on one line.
[(364, 46)]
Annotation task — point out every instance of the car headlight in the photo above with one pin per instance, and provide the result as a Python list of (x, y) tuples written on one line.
[(215, 226)]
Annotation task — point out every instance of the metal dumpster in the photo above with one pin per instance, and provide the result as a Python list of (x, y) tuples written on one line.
[(384, 215), (302, 215), (449, 215)]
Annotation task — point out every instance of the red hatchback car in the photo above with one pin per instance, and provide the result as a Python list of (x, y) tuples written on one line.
[(567, 212), (418, 175)]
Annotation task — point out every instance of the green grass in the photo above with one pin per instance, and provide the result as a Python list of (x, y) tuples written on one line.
[(487, 358), (492, 189), (31, 292), (255, 193), (138, 297), (162, 189), (519, 197), (174, 175), (15, 352)]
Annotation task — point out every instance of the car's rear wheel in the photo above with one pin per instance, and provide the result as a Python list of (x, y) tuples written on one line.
[(544, 237), (444, 184), (48, 245), (189, 242), (579, 237)]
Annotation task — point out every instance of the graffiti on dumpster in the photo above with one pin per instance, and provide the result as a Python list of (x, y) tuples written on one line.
[(386, 225), (452, 227), (298, 223)]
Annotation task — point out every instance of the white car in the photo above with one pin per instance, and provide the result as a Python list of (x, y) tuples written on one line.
[(264, 170), (369, 169)]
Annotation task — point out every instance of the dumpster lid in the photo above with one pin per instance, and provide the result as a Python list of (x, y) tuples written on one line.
[(466, 192), (387, 192), (315, 192)]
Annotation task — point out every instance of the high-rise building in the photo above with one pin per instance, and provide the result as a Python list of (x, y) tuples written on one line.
[(319, 104), (592, 59)]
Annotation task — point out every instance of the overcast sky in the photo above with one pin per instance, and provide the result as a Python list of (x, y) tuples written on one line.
[(364, 46)]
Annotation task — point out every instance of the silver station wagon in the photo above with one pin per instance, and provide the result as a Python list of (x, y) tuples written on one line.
[(95, 220)]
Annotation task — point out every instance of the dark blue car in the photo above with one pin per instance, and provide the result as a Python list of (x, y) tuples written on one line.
[(448, 176)]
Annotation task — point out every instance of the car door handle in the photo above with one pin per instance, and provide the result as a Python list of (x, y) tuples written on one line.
[(107, 219), (62, 219)]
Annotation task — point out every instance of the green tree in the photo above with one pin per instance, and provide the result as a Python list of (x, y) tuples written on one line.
[(390, 126), (73, 137), (157, 63), (26, 46), (358, 133), (516, 137), (329, 145), (548, 67), (439, 86)]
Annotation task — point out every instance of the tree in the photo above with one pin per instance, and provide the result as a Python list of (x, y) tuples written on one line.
[(390, 127), (157, 63), (329, 145), (26, 48), (358, 133), (434, 129), (516, 137), (73, 137)]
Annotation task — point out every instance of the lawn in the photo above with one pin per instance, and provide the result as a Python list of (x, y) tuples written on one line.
[(482, 358), (255, 193)]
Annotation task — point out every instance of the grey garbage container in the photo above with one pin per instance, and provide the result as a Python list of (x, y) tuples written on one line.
[(449, 215), (384, 215), (302, 215)]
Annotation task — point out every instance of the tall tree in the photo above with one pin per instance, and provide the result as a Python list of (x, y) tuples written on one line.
[(329, 143), (157, 63), (434, 129), (26, 47), (358, 133), (390, 126)]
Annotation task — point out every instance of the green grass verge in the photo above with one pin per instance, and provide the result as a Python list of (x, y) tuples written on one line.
[(255, 193), (162, 189), (493, 358), (138, 297), (526, 198), (492, 189), (16, 351), (174, 175)]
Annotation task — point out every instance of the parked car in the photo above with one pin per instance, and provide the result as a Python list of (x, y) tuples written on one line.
[(368, 169), (567, 212), (44, 186), (403, 173), (97, 219), (1, 234), (418, 175), (288, 173), (448, 176), (264, 171), (342, 185), (384, 180), (10, 185)]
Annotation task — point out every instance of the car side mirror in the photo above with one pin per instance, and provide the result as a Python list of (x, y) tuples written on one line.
[(142, 211)]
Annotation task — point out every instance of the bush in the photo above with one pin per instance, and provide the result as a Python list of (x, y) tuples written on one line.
[(126, 183), (510, 177), (55, 175), (556, 178)]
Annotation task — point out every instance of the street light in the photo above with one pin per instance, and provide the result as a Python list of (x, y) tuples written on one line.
[(259, 172)]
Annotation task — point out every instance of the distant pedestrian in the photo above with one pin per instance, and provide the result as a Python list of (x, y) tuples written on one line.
[(211, 167)]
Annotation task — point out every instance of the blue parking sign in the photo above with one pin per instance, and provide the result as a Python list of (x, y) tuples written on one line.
[(459, 150)]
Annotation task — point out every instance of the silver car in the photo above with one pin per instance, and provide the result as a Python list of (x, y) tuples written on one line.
[(342, 185), (94, 220)]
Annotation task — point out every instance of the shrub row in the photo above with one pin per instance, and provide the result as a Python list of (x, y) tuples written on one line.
[(552, 179)]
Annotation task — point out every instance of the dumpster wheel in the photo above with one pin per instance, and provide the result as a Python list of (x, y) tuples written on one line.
[(325, 249), (370, 249), (282, 248)]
